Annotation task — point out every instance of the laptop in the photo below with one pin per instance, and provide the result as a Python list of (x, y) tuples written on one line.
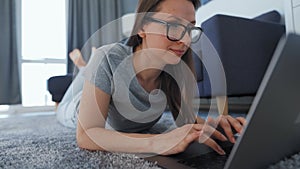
[(272, 131)]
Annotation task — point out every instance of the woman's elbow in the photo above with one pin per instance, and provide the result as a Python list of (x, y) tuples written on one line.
[(85, 142), (80, 140)]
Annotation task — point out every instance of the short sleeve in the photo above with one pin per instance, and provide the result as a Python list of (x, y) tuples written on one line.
[(98, 70)]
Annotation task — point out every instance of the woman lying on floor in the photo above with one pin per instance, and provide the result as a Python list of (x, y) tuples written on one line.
[(128, 85)]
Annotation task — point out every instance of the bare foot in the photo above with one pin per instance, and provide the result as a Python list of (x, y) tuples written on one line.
[(93, 49), (77, 58)]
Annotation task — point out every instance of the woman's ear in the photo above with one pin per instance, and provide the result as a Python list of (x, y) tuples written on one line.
[(142, 33)]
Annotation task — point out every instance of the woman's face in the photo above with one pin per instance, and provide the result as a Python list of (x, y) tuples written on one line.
[(154, 33)]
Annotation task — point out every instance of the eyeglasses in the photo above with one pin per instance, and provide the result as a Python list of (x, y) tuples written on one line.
[(176, 31)]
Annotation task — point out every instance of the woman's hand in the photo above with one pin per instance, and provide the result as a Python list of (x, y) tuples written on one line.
[(227, 123), (178, 139)]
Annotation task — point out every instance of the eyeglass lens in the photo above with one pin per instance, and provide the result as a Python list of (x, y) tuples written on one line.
[(177, 32)]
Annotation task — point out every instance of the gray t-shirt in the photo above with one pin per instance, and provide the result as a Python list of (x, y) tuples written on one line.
[(132, 108)]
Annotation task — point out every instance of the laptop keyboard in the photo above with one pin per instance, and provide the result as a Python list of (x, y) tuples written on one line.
[(211, 160)]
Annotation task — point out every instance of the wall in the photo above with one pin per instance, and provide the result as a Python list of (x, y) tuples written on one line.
[(243, 8)]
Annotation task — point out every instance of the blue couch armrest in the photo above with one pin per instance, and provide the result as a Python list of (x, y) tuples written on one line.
[(58, 85)]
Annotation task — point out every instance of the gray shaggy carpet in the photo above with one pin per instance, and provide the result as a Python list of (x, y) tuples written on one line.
[(41, 142)]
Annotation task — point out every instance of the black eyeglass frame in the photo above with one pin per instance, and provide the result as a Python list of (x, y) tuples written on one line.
[(186, 29)]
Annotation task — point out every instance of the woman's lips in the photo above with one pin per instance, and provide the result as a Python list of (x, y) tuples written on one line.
[(178, 52)]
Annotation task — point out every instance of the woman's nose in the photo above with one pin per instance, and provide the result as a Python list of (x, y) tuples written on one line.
[(186, 39)]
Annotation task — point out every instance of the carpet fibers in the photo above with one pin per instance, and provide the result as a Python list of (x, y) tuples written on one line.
[(41, 142)]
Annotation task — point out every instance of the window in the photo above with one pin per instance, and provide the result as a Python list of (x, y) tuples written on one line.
[(43, 48)]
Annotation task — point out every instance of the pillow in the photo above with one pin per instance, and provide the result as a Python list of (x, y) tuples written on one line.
[(271, 16)]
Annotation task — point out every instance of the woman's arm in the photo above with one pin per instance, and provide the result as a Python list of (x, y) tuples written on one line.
[(92, 135)]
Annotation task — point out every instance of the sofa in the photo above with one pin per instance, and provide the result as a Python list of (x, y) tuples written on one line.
[(245, 47), (58, 85)]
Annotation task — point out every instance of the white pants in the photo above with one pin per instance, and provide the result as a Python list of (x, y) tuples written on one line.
[(67, 109)]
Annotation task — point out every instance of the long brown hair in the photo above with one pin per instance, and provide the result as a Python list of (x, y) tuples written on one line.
[(168, 84)]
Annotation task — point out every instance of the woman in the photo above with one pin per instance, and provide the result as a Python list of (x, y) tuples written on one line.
[(160, 40)]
